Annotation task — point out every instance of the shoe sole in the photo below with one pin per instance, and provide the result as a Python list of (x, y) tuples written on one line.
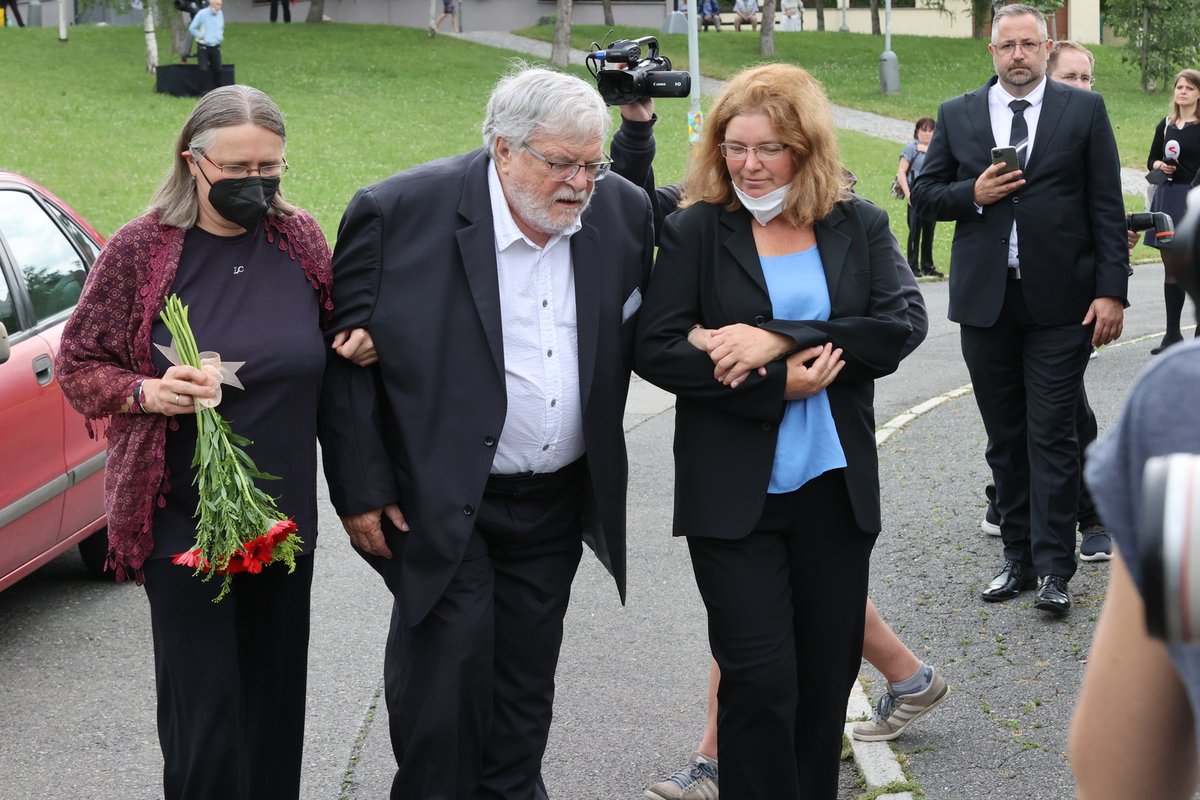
[(1051, 607), (989, 528), (1096, 557), (887, 737)]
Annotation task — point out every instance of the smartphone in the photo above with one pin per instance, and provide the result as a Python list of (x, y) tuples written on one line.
[(1006, 156)]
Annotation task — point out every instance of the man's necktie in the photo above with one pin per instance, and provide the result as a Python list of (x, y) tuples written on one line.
[(1019, 137)]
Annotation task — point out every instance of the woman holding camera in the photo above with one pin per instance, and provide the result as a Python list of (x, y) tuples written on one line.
[(774, 305), (1175, 160)]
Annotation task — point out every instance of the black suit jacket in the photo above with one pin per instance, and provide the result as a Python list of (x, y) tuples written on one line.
[(415, 265), (1070, 214), (708, 271)]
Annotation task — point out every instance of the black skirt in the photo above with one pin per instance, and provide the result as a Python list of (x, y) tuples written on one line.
[(1171, 197)]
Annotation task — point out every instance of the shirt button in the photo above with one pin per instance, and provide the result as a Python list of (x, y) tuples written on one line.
[(549, 353), (468, 510), (553, 403), (545, 447), (545, 303), (489, 441)]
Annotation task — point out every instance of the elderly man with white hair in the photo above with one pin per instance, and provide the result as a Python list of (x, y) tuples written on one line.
[(501, 288)]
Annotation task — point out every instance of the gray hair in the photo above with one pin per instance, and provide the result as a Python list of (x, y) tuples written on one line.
[(529, 100), (1018, 10), (176, 201)]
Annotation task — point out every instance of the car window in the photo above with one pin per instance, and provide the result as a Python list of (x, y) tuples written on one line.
[(82, 241), (52, 268), (8, 310)]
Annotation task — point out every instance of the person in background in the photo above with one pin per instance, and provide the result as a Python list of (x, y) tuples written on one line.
[(208, 29), (920, 230), (745, 11), (793, 15), (10, 7), (449, 11), (287, 10), (773, 367), (709, 13), (255, 269), (1175, 155)]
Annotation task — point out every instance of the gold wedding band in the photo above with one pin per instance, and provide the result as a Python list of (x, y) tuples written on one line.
[(177, 398)]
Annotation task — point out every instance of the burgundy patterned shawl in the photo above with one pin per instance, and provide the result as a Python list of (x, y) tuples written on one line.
[(106, 350)]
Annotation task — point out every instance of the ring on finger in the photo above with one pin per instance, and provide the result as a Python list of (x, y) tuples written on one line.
[(177, 398)]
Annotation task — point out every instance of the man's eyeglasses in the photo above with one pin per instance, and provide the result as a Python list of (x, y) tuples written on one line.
[(595, 170), (764, 152), (1071, 77), (1028, 47), (236, 171)]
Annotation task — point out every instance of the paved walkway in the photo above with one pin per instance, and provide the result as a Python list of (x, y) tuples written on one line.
[(896, 130)]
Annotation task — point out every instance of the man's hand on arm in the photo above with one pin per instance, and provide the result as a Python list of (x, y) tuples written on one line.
[(992, 185), (1109, 315), (366, 531)]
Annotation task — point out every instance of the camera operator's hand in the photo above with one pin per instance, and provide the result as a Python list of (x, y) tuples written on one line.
[(641, 110), (993, 185), (1109, 315)]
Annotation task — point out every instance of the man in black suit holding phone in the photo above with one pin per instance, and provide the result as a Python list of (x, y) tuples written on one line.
[(501, 289), (1038, 276)]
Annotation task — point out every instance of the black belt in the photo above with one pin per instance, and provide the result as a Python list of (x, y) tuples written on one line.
[(211, 46), (534, 484)]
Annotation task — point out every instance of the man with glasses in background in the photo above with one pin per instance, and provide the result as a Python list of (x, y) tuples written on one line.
[(501, 289), (1038, 277)]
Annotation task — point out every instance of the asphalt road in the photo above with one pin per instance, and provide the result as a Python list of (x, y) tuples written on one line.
[(76, 675)]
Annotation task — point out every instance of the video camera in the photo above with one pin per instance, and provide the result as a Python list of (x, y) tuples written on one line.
[(1169, 518), (651, 76), (191, 7)]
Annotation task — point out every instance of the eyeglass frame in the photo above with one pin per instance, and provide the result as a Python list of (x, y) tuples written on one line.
[(602, 167), (1090, 80), (283, 167), (743, 156), (1028, 47)]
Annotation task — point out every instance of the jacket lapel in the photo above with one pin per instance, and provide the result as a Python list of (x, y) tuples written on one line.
[(738, 238), (1054, 100), (477, 248), (834, 246), (979, 117), (589, 293)]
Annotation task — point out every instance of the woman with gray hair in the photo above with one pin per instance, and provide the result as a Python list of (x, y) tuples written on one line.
[(255, 271)]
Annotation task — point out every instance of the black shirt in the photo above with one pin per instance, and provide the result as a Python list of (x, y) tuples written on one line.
[(249, 302)]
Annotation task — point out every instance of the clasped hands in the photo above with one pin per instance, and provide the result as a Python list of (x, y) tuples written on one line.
[(739, 349)]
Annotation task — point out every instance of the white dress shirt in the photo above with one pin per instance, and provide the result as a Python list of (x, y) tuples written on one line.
[(1002, 117), (543, 429)]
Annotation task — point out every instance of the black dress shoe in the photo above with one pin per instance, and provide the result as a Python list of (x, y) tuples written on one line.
[(1052, 595), (1009, 583)]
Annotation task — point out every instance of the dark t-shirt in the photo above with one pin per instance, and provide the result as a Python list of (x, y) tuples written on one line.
[(249, 302)]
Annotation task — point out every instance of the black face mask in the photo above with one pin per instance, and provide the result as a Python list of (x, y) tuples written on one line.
[(242, 201)]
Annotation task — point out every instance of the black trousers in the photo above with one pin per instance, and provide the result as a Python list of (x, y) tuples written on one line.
[(920, 241), (287, 10), (470, 689), (1028, 379), (785, 622), (231, 680), (11, 6), (209, 61)]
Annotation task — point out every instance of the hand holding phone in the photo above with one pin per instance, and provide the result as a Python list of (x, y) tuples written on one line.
[(1006, 156)]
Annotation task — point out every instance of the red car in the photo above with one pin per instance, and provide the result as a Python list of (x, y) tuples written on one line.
[(51, 472)]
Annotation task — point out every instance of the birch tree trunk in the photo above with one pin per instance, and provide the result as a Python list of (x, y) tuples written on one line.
[(560, 51), (609, 19), (151, 40), (316, 11), (766, 30), (62, 20)]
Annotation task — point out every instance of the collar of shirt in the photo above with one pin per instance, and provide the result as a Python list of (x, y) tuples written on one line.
[(507, 232), (1002, 114)]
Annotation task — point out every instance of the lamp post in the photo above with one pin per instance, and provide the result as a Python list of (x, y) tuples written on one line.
[(889, 67), (845, 28)]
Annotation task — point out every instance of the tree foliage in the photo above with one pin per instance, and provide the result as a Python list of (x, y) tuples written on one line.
[(1163, 37)]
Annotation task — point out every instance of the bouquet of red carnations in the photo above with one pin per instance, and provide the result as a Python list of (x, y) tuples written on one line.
[(238, 527)]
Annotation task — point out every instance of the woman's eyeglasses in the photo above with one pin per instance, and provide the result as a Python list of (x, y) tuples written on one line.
[(764, 152)]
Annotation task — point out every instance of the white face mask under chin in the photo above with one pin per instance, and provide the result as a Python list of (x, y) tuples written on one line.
[(765, 208)]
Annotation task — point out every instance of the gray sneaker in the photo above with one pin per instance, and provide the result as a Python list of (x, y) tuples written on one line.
[(695, 780), (1095, 544), (892, 713)]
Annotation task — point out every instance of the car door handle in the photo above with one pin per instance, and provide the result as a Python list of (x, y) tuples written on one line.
[(43, 369)]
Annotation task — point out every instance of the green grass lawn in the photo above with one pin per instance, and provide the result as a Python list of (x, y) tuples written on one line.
[(361, 102)]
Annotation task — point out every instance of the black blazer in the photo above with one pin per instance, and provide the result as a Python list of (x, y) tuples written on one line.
[(708, 271), (415, 264), (1070, 214)]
